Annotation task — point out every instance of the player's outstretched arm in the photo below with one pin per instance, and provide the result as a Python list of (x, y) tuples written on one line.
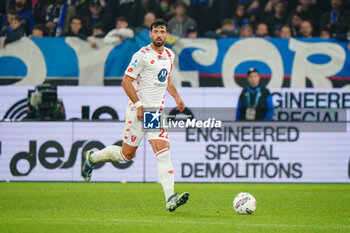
[(131, 93), (173, 92)]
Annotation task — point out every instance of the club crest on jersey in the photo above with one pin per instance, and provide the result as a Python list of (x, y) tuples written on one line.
[(133, 138), (162, 75)]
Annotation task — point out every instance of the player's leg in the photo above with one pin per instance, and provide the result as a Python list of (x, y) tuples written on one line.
[(132, 137), (166, 174), (108, 154), (114, 153), (165, 167)]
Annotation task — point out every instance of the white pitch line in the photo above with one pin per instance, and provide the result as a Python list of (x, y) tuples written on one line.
[(163, 221)]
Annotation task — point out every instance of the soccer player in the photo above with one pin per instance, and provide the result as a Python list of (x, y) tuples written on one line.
[(145, 81)]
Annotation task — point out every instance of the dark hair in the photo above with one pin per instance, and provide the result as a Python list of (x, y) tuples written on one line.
[(99, 26), (42, 28), (78, 18), (121, 18), (158, 22), (180, 3), (27, 5)]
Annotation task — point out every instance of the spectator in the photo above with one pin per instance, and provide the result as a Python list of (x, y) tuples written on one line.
[(58, 16), (24, 10), (307, 11), (13, 32), (337, 20), (306, 29), (240, 17), (141, 8), (147, 21), (246, 31), (221, 10), (295, 24), (165, 5), (121, 32), (40, 30), (82, 6), (262, 30), (98, 31), (117, 8), (179, 24), (6, 19), (268, 9), (170, 13), (227, 29), (325, 34), (253, 7), (286, 32), (253, 11), (202, 12), (75, 30), (192, 32), (95, 14), (277, 20), (40, 9), (255, 102)]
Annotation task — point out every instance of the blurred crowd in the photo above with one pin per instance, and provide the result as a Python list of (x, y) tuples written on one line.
[(115, 20)]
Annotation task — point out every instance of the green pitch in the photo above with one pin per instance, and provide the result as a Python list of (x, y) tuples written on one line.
[(134, 207)]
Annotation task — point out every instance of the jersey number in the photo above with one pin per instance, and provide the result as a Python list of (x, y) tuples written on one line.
[(161, 135)]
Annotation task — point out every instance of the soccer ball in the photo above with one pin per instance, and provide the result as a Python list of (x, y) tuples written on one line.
[(244, 203)]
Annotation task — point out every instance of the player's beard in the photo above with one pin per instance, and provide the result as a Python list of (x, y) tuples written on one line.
[(158, 43)]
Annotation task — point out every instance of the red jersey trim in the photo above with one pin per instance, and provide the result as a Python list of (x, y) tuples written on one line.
[(168, 52), (129, 76)]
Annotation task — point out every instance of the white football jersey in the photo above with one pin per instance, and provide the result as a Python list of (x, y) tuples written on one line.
[(151, 70)]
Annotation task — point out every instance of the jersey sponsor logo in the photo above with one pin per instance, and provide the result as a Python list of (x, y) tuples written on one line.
[(130, 70), (160, 84), (162, 75)]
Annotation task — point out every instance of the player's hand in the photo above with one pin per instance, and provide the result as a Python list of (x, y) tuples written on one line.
[(140, 113), (180, 104)]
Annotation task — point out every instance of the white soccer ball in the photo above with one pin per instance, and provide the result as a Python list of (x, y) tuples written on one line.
[(244, 203)]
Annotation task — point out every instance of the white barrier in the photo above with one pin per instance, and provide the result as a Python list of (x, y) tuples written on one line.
[(51, 151)]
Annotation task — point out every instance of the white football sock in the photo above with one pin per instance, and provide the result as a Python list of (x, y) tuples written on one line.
[(108, 154), (165, 172)]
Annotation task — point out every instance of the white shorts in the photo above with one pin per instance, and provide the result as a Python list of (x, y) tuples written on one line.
[(134, 132)]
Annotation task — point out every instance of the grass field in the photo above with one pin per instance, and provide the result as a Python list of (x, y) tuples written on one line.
[(139, 207)]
